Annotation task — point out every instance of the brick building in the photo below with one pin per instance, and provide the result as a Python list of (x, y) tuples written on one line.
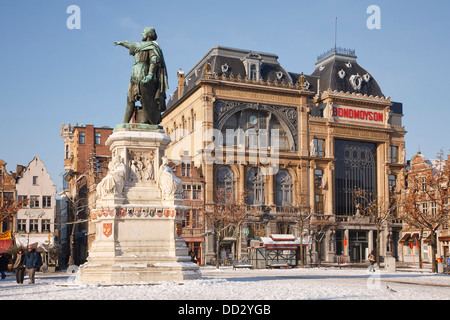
[(193, 186), (430, 207), (7, 191), (86, 160)]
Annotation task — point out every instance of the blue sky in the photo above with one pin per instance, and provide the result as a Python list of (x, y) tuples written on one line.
[(50, 75)]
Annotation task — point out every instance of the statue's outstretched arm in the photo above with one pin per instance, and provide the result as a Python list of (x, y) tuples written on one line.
[(125, 44)]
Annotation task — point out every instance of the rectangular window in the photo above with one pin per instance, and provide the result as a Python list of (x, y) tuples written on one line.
[(319, 203), (394, 154), (187, 191), (319, 146), (34, 202), (424, 184), (187, 219), (35, 180), (197, 192), (318, 178), (424, 208), (34, 225), (8, 195), (98, 138), (22, 198), (185, 169), (21, 225), (45, 225), (81, 138), (392, 182), (195, 218), (46, 202), (433, 208)]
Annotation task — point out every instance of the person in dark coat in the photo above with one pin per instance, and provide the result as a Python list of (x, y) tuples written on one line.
[(3, 264), (18, 266), (372, 259), (31, 263)]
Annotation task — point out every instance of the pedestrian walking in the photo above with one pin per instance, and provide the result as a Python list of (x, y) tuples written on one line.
[(31, 263), (18, 266), (372, 261), (3, 264)]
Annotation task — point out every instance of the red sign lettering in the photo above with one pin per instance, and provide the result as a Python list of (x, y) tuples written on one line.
[(350, 113)]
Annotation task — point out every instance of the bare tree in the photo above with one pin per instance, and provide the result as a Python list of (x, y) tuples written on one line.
[(225, 213), (425, 202), (9, 208), (318, 227), (300, 216), (377, 209)]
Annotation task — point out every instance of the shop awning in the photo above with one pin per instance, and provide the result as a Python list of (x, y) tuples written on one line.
[(5, 241), (193, 239), (5, 245), (405, 238), (427, 240), (414, 239)]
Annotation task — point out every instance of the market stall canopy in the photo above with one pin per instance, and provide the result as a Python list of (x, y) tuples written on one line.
[(38, 243), (282, 241)]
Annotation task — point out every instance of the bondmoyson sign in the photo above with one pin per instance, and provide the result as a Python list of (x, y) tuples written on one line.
[(351, 113)]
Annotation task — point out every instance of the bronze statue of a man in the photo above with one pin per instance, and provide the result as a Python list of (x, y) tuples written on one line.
[(148, 82)]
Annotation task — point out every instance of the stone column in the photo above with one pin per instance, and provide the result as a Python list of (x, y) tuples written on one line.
[(371, 240)]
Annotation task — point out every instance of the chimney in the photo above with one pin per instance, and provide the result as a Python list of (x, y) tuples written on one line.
[(180, 75)]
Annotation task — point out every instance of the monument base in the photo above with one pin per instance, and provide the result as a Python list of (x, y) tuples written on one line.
[(137, 226)]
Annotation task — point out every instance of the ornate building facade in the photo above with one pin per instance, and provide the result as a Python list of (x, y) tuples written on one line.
[(286, 143)]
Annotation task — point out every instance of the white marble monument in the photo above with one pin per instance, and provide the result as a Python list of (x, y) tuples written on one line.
[(138, 214)]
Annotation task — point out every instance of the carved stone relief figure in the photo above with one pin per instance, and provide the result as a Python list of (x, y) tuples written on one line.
[(332, 242), (141, 166), (114, 181), (169, 184)]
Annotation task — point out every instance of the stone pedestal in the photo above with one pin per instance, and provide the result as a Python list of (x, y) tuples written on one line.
[(390, 264), (138, 215)]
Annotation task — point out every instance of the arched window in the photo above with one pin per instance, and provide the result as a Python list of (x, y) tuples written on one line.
[(226, 181), (255, 187), (255, 129), (284, 187)]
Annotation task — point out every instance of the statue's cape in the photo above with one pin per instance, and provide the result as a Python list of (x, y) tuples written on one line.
[(163, 80)]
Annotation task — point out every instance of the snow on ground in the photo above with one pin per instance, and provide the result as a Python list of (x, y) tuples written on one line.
[(243, 284)]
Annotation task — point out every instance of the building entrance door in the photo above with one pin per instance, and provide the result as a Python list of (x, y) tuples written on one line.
[(358, 246)]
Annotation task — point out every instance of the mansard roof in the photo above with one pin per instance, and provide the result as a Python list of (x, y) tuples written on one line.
[(338, 70), (335, 70)]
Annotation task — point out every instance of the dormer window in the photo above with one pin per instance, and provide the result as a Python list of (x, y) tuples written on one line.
[(253, 72), (252, 65)]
